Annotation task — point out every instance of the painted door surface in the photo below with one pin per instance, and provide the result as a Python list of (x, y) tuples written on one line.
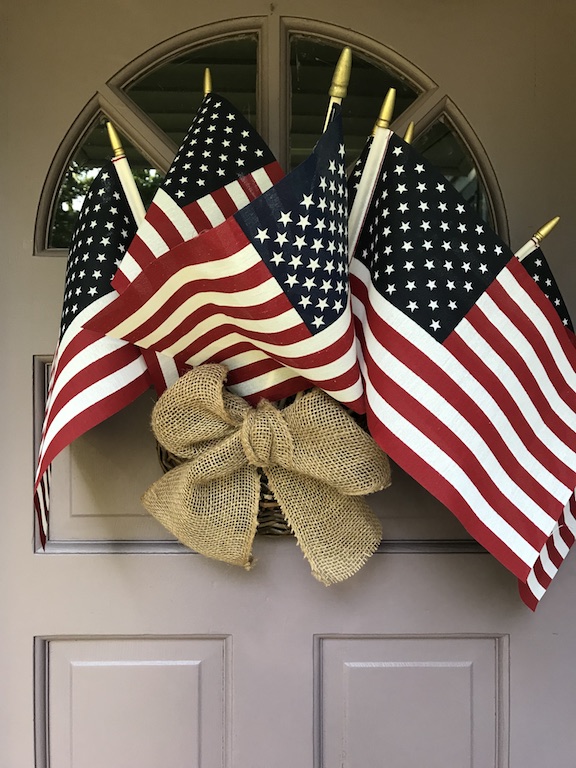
[(117, 647)]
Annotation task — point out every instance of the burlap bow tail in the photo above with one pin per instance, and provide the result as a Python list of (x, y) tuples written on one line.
[(318, 461)]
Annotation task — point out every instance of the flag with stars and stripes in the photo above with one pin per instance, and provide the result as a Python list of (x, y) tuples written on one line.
[(269, 283), (469, 373), (563, 536), (92, 376), (221, 165)]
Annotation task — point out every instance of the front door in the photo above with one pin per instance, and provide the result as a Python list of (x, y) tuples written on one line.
[(120, 648)]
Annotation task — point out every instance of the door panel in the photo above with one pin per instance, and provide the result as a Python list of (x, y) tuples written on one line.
[(120, 648)]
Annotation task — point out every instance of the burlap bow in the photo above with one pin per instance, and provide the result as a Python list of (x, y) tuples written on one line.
[(318, 461)]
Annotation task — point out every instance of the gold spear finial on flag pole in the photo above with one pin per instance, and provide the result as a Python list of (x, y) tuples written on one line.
[(536, 239), (386, 111), (340, 79), (546, 229), (114, 140), (207, 81), (409, 135), (125, 175)]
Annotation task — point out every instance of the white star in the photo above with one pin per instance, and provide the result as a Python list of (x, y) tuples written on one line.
[(409, 265), (313, 264), (317, 245), (410, 285), (407, 246), (390, 288), (296, 261), (307, 201), (262, 235)]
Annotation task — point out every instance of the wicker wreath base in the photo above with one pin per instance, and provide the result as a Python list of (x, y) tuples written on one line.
[(271, 520)]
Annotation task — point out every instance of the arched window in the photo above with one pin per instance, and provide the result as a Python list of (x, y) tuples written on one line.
[(278, 76)]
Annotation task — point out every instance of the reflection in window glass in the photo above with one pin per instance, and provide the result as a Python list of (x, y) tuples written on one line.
[(171, 94), (312, 65), (443, 147), (86, 163)]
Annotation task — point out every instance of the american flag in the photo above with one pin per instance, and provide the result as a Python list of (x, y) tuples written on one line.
[(221, 165), (269, 283), (558, 545), (92, 376), (469, 373)]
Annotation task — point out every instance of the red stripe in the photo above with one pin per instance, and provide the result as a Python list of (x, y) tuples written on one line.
[(90, 417), (114, 361), (197, 217)]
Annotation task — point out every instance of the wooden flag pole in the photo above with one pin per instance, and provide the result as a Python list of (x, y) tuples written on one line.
[(125, 176), (340, 80), (536, 239), (380, 137)]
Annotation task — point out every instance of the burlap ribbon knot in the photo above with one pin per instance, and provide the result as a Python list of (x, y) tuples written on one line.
[(318, 461)]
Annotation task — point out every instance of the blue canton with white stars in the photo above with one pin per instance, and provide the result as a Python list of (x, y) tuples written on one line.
[(539, 269), (104, 229), (300, 230), (220, 146), (428, 252)]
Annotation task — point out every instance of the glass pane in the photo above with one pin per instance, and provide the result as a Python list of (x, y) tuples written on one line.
[(86, 163), (171, 93), (312, 67), (442, 146)]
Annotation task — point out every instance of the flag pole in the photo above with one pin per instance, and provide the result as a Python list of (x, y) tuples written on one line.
[(125, 175), (380, 137), (536, 239), (340, 79)]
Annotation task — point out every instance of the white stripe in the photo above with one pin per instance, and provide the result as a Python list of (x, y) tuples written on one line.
[(534, 586), (151, 238), (93, 394), (211, 210), (238, 195), (460, 375), (169, 369), (129, 267), (176, 215), (262, 179), (570, 520)]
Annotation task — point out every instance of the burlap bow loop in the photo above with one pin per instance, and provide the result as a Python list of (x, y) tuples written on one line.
[(316, 459)]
